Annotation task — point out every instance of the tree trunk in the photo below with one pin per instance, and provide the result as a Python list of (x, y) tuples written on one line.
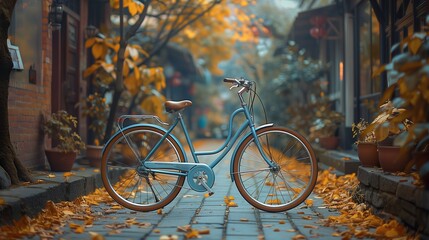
[(8, 159)]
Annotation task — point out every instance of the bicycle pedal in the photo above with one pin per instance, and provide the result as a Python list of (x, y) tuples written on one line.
[(210, 193)]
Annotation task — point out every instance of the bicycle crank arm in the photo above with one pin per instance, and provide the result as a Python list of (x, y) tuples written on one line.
[(202, 181)]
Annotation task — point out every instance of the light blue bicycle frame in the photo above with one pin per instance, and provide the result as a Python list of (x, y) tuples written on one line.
[(226, 146)]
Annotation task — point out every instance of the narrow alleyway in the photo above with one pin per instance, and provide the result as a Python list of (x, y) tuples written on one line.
[(190, 215)]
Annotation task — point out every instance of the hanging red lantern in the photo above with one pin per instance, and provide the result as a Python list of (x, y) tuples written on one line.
[(317, 32)]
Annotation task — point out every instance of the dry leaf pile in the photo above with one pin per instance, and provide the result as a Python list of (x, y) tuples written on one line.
[(337, 193), (51, 220), (77, 215)]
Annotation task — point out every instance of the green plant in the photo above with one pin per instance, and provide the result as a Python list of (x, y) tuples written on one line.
[(61, 127), (326, 120), (358, 128), (96, 109)]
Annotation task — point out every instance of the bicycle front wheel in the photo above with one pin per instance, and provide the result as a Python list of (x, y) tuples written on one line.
[(123, 176), (280, 188)]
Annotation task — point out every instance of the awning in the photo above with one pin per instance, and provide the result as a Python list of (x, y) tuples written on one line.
[(300, 31), (182, 60)]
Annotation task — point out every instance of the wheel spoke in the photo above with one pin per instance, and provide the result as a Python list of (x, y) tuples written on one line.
[(282, 187), (132, 185)]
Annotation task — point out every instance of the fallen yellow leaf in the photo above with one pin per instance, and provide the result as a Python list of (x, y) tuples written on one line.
[(192, 234), (274, 201), (204, 231), (96, 236), (311, 226), (169, 237), (68, 174), (68, 212), (309, 202), (299, 236)]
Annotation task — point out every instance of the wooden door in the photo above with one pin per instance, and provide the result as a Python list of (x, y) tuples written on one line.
[(65, 65)]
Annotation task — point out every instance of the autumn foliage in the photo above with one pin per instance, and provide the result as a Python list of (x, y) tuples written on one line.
[(338, 193)]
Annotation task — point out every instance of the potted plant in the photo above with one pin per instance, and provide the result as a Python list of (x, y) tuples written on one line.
[(389, 123), (366, 144), (96, 109), (408, 74), (325, 125), (61, 129)]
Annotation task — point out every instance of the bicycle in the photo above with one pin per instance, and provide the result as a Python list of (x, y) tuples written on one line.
[(144, 166)]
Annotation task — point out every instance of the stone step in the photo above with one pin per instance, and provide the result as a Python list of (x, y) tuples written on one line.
[(342, 161)]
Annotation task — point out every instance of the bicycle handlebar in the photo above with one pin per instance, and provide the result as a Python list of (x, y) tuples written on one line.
[(239, 82)]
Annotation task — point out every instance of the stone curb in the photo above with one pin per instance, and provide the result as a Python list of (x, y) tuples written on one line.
[(396, 195), (31, 199)]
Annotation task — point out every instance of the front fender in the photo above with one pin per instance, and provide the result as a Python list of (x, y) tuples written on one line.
[(148, 125), (239, 144)]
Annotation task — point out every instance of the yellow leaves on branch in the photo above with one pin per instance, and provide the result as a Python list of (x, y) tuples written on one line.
[(134, 6), (154, 104)]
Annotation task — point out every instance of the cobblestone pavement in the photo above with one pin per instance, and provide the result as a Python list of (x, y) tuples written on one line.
[(192, 208)]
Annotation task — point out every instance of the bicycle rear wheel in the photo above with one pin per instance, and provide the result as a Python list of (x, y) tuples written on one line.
[(123, 176), (271, 189)]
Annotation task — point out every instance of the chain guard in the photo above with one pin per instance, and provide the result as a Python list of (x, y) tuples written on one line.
[(201, 170)]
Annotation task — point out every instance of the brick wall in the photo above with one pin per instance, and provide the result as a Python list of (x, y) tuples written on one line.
[(28, 102), (396, 195)]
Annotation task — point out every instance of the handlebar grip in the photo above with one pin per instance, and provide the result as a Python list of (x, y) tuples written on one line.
[(230, 80)]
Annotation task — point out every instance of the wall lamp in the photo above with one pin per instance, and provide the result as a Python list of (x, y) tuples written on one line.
[(56, 14)]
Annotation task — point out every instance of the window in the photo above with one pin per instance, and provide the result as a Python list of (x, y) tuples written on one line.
[(369, 50), (368, 46)]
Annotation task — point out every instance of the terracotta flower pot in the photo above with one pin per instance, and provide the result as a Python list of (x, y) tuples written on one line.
[(390, 160), (368, 154), (93, 154), (329, 143), (60, 161)]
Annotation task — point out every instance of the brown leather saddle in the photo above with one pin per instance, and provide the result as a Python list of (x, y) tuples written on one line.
[(174, 106)]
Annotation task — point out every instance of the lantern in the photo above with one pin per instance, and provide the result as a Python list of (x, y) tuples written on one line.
[(317, 32), (56, 14)]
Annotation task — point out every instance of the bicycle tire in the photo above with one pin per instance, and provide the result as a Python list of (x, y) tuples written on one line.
[(266, 189), (126, 182)]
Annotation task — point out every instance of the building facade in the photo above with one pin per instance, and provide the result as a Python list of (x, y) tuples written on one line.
[(355, 40), (50, 78)]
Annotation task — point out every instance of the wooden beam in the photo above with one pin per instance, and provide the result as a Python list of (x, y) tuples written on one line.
[(377, 10)]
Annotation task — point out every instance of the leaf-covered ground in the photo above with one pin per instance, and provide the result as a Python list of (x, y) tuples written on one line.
[(337, 192)]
